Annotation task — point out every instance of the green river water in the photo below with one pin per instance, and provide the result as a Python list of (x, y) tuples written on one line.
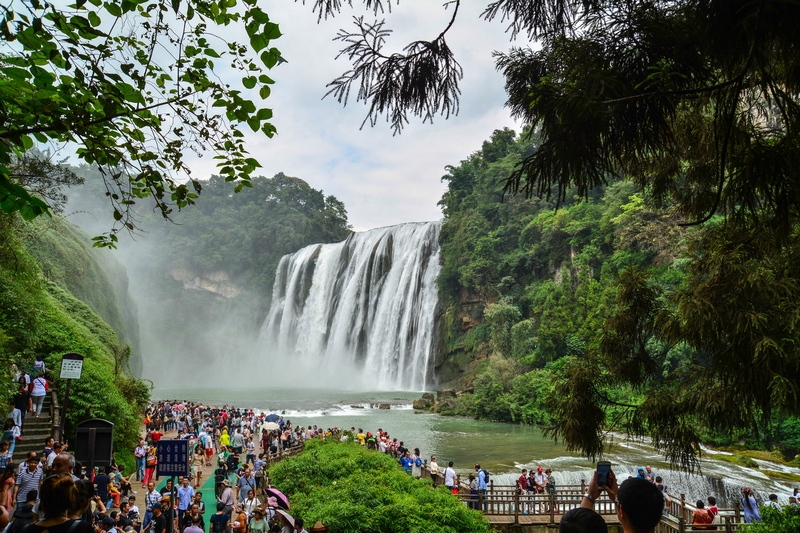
[(503, 449)]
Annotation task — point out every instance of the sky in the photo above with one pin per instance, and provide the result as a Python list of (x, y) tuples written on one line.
[(382, 178)]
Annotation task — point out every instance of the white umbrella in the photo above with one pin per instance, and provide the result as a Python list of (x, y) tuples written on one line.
[(269, 426), (286, 515)]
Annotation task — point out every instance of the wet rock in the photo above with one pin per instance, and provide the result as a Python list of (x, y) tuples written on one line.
[(445, 394), (384, 406), (356, 407), (424, 402)]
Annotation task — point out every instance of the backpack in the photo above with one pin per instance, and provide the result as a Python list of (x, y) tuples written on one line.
[(218, 526), (219, 475), (485, 476)]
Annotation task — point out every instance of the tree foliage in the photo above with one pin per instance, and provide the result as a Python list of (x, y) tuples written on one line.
[(136, 86)]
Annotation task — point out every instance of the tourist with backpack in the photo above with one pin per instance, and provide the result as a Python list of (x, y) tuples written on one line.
[(483, 483)]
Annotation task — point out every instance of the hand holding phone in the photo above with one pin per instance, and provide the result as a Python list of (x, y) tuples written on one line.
[(603, 471)]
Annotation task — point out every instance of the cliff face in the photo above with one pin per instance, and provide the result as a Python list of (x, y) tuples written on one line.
[(218, 283)]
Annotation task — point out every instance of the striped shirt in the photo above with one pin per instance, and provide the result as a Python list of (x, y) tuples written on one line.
[(26, 482)]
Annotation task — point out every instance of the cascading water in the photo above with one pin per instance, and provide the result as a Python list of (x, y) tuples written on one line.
[(360, 310)]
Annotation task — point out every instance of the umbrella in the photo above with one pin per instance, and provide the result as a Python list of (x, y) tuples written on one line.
[(272, 418), (283, 501), (287, 516), (270, 426)]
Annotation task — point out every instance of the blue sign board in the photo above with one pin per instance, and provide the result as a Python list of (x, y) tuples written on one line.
[(173, 457)]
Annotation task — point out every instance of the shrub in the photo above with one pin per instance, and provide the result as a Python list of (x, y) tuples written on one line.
[(354, 490)]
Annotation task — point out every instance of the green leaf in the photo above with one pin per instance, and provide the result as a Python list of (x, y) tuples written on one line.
[(113, 9), (94, 20), (249, 82), (264, 92)]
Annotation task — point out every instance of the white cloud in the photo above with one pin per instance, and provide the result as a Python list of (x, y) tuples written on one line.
[(382, 179)]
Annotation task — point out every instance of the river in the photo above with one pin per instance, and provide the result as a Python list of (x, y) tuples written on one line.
[(503, 449)]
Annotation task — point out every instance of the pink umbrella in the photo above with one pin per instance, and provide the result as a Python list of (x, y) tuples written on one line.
[(280, 497)]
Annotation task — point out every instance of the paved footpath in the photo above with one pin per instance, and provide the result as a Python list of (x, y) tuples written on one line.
[(206, 488)]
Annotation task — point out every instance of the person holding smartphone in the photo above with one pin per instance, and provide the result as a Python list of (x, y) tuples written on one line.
[(639, 502)]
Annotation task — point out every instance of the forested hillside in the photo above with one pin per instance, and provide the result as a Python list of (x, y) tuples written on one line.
[(42, 312), (528, 288)]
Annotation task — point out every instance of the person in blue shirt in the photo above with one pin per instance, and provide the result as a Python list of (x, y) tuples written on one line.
[(407, 462), (481, 483), (185, 497)]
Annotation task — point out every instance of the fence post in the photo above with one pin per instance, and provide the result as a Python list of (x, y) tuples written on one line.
[(552, 508), (681, 525), (683, 507), (516, 507), (583, 487)]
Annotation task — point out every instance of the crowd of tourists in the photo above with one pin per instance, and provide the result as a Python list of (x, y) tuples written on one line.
[(51, 493)]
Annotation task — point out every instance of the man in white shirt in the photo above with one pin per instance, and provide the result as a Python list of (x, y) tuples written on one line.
[(58, 447), (449, 475)]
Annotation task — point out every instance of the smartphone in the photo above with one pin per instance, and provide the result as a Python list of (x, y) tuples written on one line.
[(603, 470)]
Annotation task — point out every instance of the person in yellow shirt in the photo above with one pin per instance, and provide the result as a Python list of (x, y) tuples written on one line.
[(362, 439)]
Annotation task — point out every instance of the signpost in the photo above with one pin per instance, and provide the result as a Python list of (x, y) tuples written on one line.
[(173, 460), (71, 368)]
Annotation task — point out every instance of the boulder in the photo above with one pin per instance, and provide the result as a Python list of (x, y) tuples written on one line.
[(384, 406), (428, 396), (444, 394), (424, 402)]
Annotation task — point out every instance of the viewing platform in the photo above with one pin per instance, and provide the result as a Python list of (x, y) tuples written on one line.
[(508, 510)]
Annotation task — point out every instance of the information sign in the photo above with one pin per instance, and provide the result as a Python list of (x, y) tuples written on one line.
[(173, 457), (71, 366)]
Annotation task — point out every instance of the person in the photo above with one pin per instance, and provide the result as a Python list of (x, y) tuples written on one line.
[(482, 483), (38, 389), (28, 480), (416, 467), (237, 441), (659, 484), (701, 516), (245, 483), (649, 474), (22, 517), (449, 476), (220, 475), (773, 502), (57, 497), (522, 487), (750, 507), (198, 501), (226, 497), (39, 366), (239, 520), (362, 438), (473, 491), (639, 502), (250, 457), (11, 433), (150, 466), (140, 453), (158, 523), (219, 521), (101, 483), (151, 498), (7, 487), (257, 523), (550, 489), (193, 517), (250, 503), (185, 497), (582, 520), (20, 401), (195, 526), (5, 455), (298, 525), (640, 473), (168, 511), (434, 467), (711, 507), (540, 479), (407, 462)]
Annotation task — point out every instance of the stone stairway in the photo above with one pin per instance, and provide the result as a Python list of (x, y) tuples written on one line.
[(34, 432)]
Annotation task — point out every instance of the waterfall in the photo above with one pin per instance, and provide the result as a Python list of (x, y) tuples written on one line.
[(362, 311)]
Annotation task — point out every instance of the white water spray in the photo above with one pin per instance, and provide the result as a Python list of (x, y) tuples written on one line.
[(363, 310)]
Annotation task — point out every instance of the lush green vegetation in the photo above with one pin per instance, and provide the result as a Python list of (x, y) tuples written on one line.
[(354, 490), (785, 520), (532, 292), (41, 316)]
